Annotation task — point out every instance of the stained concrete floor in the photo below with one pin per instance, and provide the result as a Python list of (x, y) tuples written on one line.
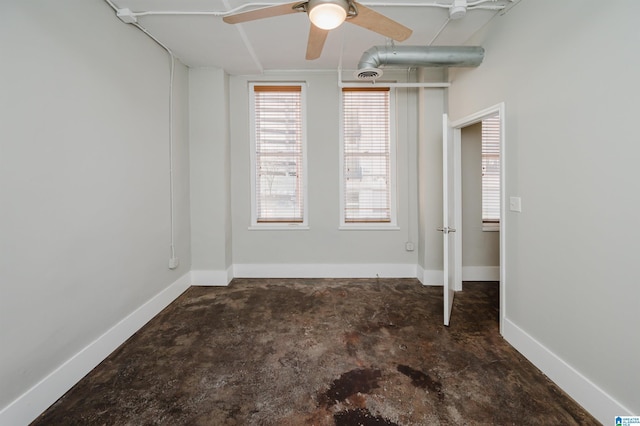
[(319, 352)]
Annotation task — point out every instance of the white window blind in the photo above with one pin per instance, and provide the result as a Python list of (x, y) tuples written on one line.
[(366, 155), (278, 133), (491, 171)]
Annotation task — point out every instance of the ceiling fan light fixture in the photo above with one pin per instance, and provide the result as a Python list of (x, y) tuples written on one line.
[(328, 14)]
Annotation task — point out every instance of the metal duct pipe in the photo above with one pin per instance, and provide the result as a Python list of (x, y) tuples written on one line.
[(418, 56)]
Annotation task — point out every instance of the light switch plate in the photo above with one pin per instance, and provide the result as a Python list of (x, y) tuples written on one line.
[(515, 204)]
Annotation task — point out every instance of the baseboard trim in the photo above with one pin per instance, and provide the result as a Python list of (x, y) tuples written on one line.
[(212, 278), (480, 273), (229, 274), (600, 404), (430, 277), (373, 270), (33, 402)]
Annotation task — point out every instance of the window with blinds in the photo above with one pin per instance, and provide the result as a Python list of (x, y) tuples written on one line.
[(491, 173), (278, 154), (366, 156)]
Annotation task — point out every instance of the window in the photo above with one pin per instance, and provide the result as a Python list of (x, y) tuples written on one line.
[(491, 174), (278, 156), (368, 199)]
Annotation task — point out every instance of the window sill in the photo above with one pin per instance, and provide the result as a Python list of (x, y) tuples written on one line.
[(491, 228), (279, 227), (369, 227)]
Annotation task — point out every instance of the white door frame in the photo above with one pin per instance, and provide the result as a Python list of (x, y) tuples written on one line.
[(457, 126), (450, 252)]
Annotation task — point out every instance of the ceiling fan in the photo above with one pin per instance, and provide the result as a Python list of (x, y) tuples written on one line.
[(326, 15)]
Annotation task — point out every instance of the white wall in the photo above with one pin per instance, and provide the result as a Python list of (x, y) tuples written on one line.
[(84, 155), (431, 107), (323, 243), (84, 161), (568, 74), (480, 249), (210, 168)]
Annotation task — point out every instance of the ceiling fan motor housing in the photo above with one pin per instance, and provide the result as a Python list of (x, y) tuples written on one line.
[(342, 3)]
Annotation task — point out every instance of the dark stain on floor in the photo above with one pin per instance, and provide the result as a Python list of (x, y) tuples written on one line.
[(350, 383), (422, 380), (323, 352), (360, 417)]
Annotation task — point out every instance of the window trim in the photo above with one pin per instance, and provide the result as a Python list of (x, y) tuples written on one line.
[(278, 225), (492, 224), (392, 224)]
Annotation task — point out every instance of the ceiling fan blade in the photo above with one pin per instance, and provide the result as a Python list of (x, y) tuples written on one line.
[(317, 37), (265, 12), (374, 21)]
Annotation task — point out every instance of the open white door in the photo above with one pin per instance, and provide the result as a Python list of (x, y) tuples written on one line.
[(448, 217)]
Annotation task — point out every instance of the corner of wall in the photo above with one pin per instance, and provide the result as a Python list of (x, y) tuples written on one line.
[(600, 404), (212, 278), (28, 406), (431, 277)]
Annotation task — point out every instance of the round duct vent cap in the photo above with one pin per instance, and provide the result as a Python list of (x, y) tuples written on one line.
[(368, 74)]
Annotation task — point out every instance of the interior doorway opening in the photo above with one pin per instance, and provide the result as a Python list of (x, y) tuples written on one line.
[(480, 195), (488, 272)]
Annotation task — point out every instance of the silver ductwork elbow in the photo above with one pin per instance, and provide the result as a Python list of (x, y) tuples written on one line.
[(418, 56)]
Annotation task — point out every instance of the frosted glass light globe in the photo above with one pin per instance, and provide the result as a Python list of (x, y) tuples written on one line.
[(327, 16)]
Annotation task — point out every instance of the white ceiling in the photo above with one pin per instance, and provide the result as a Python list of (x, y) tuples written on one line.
[(280, 43)]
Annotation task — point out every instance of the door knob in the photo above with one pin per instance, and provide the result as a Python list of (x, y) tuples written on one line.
[(446, 229)]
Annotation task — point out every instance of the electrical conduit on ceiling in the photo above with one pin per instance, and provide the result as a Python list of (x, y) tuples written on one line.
[(367, 67), (130, 17)]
